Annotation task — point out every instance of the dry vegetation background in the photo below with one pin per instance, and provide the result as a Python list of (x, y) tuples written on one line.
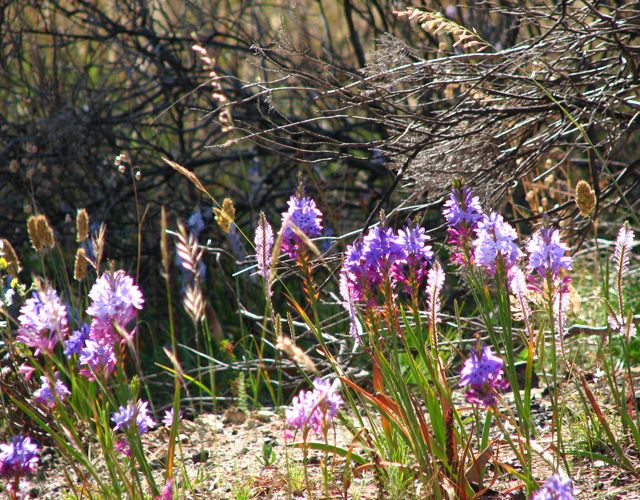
[(361, 100)]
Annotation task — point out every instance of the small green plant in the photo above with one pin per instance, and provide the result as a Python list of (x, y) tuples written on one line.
[(268, 457)]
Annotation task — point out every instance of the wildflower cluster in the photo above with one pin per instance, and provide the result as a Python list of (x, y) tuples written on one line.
[(556, 487), (483, 375), (302, 216), (314, 410), (18, 458), (462, 213), (115, 301), (43, 321), (384, 256)]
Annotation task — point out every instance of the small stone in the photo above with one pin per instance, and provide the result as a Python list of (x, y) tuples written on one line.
[(599, 463), (199, 457), (252, 423), (234, 416), (264, 415)]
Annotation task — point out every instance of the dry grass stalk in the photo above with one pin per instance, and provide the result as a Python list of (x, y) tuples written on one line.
[(188, 174), (98, 246), (82, 225), (40, 233), (164, 243), (286, 344), (436, 23), (189, 251), (80, 265), (225, 215), (11, 257), (194, 302), (190, 254), (585, 198), (224, 116)]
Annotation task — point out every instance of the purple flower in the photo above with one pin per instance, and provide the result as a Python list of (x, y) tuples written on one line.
[(51, 391), (555, 488), (97, 359), (547, 253), (314, 410), (115, 298), (122, 446), (462, 212), (462, 207), (370, 261), (305, 216), (264, 246), (381, 248), (167, 491), (18, 456), (417, 254), (134, 413), (43, 321), (482, 374), (167, 419), (624, 244), (495, 239), (75, 343)]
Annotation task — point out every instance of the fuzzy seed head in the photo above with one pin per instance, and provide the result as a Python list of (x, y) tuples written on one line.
[(225, 215), (40, 233), (82, 225), (10, 256), (80, 265), (585, 198)]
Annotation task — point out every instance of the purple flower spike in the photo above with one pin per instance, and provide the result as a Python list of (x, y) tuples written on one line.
[(115, 298), (43, 321), (462, 207), (50, 390), (167, 418), (462, 212), (482, 374), (495, 240), (314, 410), (76, 341), (18, 456), (381, 248), (97, 359), (304, 215), (555, 488), (547, 254), (134, 413), (418, 256)]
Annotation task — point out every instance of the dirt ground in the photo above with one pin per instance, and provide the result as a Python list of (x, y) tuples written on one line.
[(222, 457)]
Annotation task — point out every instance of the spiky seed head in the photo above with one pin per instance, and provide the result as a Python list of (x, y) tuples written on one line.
[(585, 198), (11, 257), (40, 233), (225, 215), (82, 225), (80, 265)]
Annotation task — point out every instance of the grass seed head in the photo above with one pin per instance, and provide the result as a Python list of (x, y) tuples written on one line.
[(40, 233), (82, 225), (585, 198), (80, 265)]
